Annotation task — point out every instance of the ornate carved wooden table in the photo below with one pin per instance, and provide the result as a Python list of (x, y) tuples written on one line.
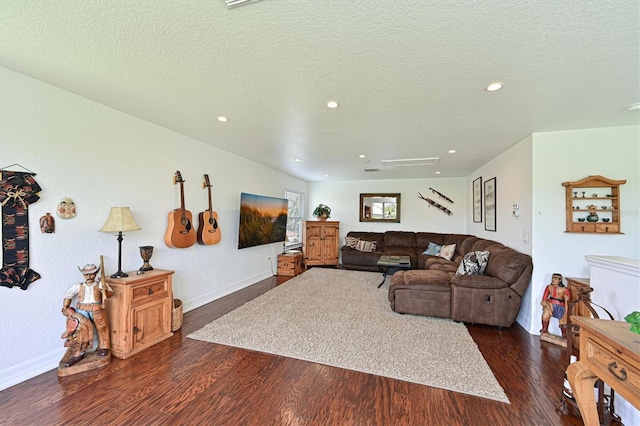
[(608, 351)]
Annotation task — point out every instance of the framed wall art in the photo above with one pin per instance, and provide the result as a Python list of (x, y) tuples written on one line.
[(490, 205), (477, 200)]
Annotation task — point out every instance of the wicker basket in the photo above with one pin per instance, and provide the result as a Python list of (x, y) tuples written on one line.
[(176, 315)]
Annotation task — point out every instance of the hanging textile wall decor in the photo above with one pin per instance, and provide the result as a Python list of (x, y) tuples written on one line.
[(17, 191)]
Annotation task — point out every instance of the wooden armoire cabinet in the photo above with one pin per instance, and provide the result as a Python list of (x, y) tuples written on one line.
[(321, 243), (139, 311)]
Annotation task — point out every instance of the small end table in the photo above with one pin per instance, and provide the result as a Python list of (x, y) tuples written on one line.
[(388, 262)]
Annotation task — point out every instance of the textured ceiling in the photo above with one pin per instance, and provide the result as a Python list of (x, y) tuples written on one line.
[(409, 76)]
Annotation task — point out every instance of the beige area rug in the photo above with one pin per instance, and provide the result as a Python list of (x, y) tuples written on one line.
[(340, 318)]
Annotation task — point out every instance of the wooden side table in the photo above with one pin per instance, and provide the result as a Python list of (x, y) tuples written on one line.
[(290, 264), (580, 295), (577, 287), (139, 311), (608, 351)]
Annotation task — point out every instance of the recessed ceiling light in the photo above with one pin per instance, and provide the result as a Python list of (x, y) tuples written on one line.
[(297, 160), (223, 119), (332, 104), (326, 175), (437, 173), (634, 107), (494, 86), (452, 151), (362, 156)]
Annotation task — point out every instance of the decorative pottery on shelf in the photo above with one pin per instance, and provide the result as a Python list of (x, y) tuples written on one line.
[(593, 217)]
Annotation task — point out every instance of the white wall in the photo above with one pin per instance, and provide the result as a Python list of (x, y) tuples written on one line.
[(415, 213), (569, 156), (512, 171), (102, 158)]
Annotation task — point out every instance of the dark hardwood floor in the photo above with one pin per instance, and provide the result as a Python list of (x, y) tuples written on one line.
[(188, 382)]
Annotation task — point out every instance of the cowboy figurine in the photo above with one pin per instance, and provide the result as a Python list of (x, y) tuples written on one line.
[(554, 303), (90, 297), (78, 336)]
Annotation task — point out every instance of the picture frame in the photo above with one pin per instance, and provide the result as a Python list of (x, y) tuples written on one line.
[(490, 203), (477, 200), (380, 208)]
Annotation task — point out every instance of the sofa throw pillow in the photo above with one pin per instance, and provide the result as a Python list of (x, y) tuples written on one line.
[(367, 246), (352, 242), (433, 249), (473, 263), (447, 251)]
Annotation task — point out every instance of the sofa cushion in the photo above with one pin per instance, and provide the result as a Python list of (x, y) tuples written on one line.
[(480, 244), (506, 263), (361, 260), (352, 242), (473, 263), (436, 263), (467, 245), (424, 280), (424, 238), (458, 240), (447, 251), (400, 239), (479, 282), (367, 246), (378, 237), (433, 249)]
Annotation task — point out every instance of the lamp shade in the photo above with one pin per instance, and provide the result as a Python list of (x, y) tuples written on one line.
[(120, 219)]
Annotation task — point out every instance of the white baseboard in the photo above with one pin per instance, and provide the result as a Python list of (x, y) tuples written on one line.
[(203, 299), (24, 371), (29, 369)]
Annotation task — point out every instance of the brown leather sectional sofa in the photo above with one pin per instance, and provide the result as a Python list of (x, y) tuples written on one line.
[(431, 287)]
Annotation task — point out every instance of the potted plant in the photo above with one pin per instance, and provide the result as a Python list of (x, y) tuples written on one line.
[(322, 212)]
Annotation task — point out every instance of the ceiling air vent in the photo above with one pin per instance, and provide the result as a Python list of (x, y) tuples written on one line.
[(411, 162), (230, 4), (371, 170)]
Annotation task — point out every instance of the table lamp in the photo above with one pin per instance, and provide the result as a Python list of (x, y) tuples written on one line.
[(120, 220)]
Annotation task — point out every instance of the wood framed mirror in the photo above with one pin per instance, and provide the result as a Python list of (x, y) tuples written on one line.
[(380, 208)]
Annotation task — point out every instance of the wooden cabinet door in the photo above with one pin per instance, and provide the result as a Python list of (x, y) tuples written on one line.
[(330, 244), (312, 243), (149, 323)]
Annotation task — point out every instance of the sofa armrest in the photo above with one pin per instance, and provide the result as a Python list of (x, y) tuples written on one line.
[(478, 281)]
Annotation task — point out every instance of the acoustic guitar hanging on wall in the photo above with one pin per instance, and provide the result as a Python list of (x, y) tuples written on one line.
[(180, 232), (208, 230)]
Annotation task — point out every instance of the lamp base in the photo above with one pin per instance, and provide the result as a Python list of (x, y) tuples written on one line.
[(119, 274)]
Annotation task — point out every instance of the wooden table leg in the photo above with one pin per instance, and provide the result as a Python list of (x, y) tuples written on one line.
[(582, 381)]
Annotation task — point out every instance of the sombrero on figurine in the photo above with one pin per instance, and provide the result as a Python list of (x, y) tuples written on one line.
[(89, 268)]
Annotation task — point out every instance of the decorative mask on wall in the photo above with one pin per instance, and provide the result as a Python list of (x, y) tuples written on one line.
[(66, 208)]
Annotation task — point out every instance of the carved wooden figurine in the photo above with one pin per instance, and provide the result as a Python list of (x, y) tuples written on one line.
[(89, 314), (555, 304)]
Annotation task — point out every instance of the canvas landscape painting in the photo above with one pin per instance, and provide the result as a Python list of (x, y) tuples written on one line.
[(263, 220)]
